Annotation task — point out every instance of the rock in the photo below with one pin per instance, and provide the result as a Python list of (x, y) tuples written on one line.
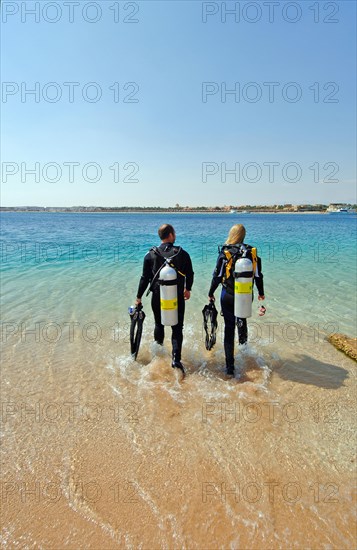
[(345, 344)]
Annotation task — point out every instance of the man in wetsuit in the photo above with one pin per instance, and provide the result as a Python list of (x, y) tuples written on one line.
[(153, 260)]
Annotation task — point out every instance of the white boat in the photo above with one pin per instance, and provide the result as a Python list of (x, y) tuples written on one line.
[(340, 211), (240, 212)]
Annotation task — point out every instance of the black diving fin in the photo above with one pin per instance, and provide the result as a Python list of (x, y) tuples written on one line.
[(137, 317), (210, 324)]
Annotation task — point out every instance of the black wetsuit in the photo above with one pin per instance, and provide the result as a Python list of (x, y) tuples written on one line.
[(152, 263), (227, 304)]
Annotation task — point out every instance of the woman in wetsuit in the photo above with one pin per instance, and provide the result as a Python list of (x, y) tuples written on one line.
[(224, 274)]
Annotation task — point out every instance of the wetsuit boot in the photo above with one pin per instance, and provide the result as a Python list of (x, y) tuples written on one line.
[(159, 334), (176, 360), (177, 339), (242, 331)]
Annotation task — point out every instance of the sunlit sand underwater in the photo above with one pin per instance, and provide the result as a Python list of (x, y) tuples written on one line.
[(106, 452)]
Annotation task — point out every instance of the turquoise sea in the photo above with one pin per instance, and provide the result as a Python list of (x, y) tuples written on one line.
[(57, 267)]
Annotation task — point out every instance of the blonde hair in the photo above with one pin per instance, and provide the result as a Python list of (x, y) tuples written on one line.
[(236, 234)]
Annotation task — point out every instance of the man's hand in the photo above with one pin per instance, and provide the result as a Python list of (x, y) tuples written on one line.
[(137, 301), (261, 297), (186, 294), (211, 298)]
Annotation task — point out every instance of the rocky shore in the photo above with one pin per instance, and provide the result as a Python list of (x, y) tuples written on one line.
[(345, 344)]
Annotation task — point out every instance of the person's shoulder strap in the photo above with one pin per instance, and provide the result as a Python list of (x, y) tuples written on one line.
[(157, 250), (254, 259), (229, 259), (251, 253), (168, 259)]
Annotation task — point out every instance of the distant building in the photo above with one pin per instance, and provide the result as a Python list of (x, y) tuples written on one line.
[(336, 207)]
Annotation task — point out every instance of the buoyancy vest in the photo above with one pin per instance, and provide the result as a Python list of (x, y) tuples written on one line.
[(232, 253)]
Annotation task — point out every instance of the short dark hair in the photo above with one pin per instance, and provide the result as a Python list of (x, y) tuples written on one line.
[(165, 230)]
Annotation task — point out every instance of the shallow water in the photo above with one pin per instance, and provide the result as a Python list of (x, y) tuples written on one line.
[(105, 452)]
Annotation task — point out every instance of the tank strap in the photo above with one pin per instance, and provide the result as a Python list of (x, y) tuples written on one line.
[(168, 259), (254, 259), (171, 264), (155, 279), (244, 274)]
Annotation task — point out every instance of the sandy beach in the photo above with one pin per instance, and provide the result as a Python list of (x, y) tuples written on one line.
[(121, 454)]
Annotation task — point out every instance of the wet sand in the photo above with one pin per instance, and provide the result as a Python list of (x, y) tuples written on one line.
[(103, 452)]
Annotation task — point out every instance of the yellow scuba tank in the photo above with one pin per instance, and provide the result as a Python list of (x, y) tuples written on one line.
[(243, 287), (168, 295)]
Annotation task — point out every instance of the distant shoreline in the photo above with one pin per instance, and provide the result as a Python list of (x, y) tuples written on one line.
[(243, 209), (170, 212), (161, 212), (232, 214)]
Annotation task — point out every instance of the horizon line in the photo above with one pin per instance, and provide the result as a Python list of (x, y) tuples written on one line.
[(179, 207)]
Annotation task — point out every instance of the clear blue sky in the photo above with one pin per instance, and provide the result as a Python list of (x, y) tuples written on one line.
[(170, 133)]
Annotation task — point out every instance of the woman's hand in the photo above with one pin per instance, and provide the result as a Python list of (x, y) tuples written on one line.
[(261, 297)]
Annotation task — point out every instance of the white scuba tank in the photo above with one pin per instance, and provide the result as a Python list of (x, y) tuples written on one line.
[(243, 288), (168, 296)]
